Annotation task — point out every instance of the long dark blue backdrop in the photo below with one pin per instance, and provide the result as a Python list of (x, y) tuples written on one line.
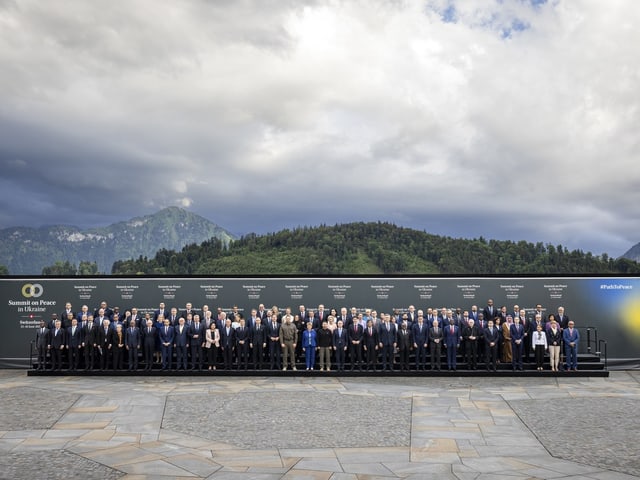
[(612, 305)]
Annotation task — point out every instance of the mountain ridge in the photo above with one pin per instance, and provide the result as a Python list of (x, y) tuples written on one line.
[(27, 250)]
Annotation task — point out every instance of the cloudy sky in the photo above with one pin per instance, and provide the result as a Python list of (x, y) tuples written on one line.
[(509, 119)]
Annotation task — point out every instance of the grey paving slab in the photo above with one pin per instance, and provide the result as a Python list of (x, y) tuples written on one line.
[(54, 465), (576, 432), (460, 428), (265, 419), (44, 413)]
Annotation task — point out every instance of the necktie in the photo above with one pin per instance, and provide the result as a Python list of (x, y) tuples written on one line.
[(451, 329)]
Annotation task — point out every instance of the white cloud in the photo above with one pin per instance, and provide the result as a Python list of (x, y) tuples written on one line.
[(440, 113)]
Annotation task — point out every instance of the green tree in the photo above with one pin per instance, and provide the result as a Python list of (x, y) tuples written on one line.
[(60, 268)]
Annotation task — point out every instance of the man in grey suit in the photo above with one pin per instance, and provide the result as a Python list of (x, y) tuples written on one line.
[(435, 344)]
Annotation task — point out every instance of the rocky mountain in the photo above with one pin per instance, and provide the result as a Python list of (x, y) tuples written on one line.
[(633, 253), (25, 251)]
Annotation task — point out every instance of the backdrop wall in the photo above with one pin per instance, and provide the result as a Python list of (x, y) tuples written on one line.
[(612, 305)]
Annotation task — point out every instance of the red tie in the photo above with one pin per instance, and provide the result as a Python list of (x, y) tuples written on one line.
[(451, 329)]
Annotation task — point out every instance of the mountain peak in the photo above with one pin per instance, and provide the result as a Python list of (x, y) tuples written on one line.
[(25, 251), (633, 253)]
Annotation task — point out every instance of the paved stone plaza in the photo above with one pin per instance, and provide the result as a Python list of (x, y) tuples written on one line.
[(319, 428)]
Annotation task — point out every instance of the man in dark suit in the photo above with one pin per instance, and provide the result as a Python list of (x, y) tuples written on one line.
[(188, 310), (356, 335), (490, 310), (405, 341), (243, 338), (420, 341), (104, 343), (563, 319), (196, 340), (181, 343), (275, 351), (57, 342), (451, 344), (370, 339), (90, 343), (42, 344), (258, 342), (166, 335), (132, 342), (491, 338), (74, 343), (387, 338), (262, 313), (227, 343), (340, 343), (149, 337), (436, 336), (517, 339), (103, 311), (162, 310)]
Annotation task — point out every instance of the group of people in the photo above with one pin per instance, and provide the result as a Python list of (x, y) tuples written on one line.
[(411, 339)]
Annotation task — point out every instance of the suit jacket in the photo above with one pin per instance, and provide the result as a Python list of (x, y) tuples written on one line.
[(273, 331), (115, 341), (42, 338), (471, 332), (309, 339), (166, 335), (516, 331), (104, 338), (227, 340), (340, 340), (387, 337), (420, 335), (370, 339), (57, 338), (74, 340), (149, 338), (258, 337), (490, 316), (554, 337), (405, 338), (570, 337), (356, 333), (563, 322), (491, 336), (132, 338), (244, 334), (196, 334), (166, 312), (181, 339), (433, 335), (451, 339)]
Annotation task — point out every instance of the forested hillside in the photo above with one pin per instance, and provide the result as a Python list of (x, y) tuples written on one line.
[(370, 248)]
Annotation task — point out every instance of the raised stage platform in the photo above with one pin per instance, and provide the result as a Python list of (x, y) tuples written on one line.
[(589, 365)]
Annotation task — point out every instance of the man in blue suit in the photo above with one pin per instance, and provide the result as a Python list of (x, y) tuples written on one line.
[(132, 340), (196, 339), (74, 342), (517, 338), (420, 341), (491, 338), (388, 338), (340, 342), (451, 344), (166, 344), (571, 337), (181, 342)]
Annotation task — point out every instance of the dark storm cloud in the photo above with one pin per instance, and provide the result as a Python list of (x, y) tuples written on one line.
[(270, 115)]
